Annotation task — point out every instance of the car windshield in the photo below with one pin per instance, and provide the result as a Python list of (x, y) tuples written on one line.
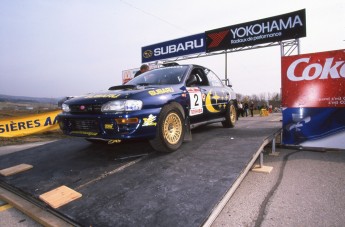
[(165, 75)]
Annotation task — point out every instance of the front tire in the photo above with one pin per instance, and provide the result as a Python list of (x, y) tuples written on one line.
[(230, 116), (170, 130)]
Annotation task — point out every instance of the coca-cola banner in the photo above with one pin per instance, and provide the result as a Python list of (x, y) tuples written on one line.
[(314, 127), (314, 80), (313, 90)]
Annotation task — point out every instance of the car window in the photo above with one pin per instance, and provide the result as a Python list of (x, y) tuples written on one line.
[(213, 79), (200, 77), (165, 75)]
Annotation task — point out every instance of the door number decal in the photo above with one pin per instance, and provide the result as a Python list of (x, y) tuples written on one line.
[(195, 101)]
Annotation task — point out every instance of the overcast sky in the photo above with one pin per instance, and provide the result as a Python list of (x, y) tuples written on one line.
[(55, 48)]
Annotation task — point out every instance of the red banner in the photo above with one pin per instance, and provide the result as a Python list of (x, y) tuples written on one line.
[(314, 80)]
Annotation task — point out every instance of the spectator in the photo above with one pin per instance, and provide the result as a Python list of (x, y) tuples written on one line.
[(143, 68), (240, 109), (251, 108), (245, 108)]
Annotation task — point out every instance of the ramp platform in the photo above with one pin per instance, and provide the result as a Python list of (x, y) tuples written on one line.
[(130, 184)]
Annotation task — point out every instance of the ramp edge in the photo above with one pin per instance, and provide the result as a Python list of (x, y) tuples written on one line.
[(35, 212), (216, 211)]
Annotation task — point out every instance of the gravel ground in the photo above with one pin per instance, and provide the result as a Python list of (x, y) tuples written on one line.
[(305, 188)]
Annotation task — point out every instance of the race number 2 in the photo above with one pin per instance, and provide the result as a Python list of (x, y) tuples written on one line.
[(195, 101)]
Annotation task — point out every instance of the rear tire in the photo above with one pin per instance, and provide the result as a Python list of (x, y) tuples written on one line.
[(170, 130), (230, 116)]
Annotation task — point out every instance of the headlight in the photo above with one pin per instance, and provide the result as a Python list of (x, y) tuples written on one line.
[(122, 105), (65, 108)]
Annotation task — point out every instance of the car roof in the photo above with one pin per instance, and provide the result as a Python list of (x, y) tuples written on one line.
[(172, 64)]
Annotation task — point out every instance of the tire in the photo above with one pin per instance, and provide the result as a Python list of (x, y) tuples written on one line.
[(170, 130), (230, 116)]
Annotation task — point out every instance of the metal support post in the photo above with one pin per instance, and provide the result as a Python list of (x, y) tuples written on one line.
[(261, 160), (226, 67), (260, 168)]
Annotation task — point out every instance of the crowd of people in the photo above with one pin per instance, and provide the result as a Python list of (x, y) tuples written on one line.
[(245, 109)]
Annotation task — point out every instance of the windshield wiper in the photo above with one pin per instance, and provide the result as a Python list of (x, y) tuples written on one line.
[(143, 84)]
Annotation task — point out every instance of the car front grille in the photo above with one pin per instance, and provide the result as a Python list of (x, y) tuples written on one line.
[(84, 125), (89, 108), (106, 128)]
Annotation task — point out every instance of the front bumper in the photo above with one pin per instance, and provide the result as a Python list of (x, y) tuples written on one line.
[(105, 126)]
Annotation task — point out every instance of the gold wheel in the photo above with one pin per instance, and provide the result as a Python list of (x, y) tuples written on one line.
[(172, 128), (230, 116), (232, 113)]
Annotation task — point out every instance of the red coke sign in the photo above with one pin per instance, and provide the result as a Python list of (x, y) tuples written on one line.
[(314, 80)]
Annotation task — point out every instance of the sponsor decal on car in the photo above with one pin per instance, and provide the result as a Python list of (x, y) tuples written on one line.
[(85, 133), (150, 121), (113, 96), (195, 101), (109, 126), (114, 141), (161, 91)]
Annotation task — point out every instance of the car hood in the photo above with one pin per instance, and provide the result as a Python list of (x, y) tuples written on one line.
[(121, 92)]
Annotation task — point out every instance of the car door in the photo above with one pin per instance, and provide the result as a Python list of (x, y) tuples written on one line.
[(217, 95), (206, 101)]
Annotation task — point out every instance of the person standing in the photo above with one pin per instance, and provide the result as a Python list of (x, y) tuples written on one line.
[(143, 68), (245, 108), (240, 109), (251, 108)]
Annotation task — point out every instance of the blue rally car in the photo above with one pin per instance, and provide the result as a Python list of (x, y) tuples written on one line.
[(161, 105)]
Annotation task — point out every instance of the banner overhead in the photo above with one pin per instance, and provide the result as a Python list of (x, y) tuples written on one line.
[(283, 27), (26, 125), (174, 48), (314, 80)]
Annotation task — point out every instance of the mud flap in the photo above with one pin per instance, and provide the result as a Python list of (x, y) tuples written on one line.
[(188, 133)]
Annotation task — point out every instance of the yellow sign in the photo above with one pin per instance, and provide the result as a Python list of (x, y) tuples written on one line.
[(26, 125), (264, 113)]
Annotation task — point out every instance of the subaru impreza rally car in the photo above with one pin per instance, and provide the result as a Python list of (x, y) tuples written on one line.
[(161, 105)]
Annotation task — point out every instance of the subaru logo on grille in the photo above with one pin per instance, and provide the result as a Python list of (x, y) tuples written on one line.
[(82, 107)]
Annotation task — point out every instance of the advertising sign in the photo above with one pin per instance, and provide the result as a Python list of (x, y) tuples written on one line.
[(313, 89), (128, 74), (174, 48), (283, 27), (314, 80), (22, 126), (314, 127)]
